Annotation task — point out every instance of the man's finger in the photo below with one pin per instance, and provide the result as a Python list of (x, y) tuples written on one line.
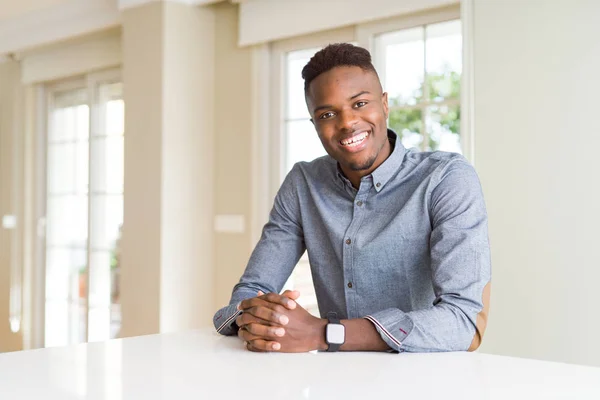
[(247, 318), (281, 299), (267, 332), (246, 336), (270, 300), (268, 314), (260, 345), (292, 294)]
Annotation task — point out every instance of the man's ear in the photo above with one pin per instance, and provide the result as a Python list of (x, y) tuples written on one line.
[(313, 121), (384, 102)]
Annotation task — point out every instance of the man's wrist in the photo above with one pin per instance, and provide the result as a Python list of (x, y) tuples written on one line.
[(319, 335)]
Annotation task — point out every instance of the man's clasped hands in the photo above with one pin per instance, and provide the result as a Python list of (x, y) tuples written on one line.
[(276, 322)]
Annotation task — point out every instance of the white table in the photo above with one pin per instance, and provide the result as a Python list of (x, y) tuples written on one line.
[(202, 365)]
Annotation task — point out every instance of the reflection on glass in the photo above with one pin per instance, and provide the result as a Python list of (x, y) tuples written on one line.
[(303, 143), (443, 125)]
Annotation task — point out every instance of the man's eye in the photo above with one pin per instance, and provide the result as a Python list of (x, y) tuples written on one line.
[(360, 104), (326, 115)]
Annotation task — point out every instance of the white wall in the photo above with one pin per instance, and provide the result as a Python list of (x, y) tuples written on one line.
[(537, 137), (168, 268), (11, 9), (10, 143), (233, 120)]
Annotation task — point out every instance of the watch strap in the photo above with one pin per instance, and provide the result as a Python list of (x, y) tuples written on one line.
[(332, 318)]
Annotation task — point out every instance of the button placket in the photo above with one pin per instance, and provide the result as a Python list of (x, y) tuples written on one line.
[(350, 238)]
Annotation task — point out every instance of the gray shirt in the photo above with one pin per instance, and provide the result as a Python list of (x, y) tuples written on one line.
[(408, 250)]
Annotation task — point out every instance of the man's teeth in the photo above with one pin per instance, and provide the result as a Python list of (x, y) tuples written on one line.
[(355, 139)]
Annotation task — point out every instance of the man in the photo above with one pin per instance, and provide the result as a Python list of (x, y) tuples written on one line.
[(397, 240)]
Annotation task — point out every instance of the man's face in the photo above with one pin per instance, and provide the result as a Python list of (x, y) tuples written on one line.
[(350, 112)]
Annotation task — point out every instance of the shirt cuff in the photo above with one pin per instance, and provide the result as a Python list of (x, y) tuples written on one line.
[(224, 320), (393, 326)]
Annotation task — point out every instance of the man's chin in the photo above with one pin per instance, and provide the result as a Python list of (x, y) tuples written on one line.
[(362, 165)]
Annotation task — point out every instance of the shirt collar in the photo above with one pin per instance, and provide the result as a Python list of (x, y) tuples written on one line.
[(386, 170), (390, 166)]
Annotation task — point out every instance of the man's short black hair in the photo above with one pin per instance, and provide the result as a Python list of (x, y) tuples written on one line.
[(336, 55)]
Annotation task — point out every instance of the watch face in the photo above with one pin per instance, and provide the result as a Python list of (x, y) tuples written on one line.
[(335, 333)]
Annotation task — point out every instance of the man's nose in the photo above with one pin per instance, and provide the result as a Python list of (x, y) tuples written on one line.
[(347, 120)]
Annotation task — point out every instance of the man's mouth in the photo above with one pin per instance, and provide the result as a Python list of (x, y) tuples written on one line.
[(355, 140)]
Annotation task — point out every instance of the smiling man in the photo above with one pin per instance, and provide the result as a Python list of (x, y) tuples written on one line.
[(397, 240)]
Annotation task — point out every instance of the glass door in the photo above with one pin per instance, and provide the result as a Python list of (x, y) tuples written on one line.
[(84, 210)]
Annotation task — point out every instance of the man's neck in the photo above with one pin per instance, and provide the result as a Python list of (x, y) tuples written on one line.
[(355, 176)]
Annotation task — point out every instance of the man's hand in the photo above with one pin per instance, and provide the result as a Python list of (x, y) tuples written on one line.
[(263, 318), (277, 328)]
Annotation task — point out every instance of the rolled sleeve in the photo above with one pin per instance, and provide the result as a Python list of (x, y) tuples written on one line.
[(224, 320), (393, 326)]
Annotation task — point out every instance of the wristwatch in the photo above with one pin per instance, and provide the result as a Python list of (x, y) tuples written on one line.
[(335, 332)]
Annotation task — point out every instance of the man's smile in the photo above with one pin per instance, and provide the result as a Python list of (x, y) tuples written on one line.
[(356, 142)]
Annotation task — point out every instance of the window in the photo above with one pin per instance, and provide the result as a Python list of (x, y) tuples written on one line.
[(84, 210), (421, 69)]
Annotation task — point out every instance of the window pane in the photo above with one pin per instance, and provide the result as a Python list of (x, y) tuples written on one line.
[(303, 143), (61, 168), (112, 109), (108, 164), (82, 165), (66, 285), (444, 60), (100, 283), (295, 104), (115, 117), (408, 124), (67, 220), (443, 126), (403, 64), (106, 219), (70, 118)]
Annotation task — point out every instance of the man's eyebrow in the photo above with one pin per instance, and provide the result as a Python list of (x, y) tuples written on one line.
[(323, 107), (326, 106), (360, 94)]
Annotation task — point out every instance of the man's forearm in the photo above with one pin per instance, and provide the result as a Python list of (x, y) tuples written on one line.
[(361, 335)]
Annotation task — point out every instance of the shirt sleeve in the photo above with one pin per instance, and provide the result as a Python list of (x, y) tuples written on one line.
[(460, 267), (280, 247)]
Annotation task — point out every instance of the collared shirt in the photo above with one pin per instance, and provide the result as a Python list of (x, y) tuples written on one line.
[(408, 250)]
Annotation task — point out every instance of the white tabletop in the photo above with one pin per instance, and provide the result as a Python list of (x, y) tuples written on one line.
[(202, 364)]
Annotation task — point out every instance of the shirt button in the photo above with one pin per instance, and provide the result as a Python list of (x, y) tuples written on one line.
[(350, 285), (359, 203), (348, 241), (378, 184)]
